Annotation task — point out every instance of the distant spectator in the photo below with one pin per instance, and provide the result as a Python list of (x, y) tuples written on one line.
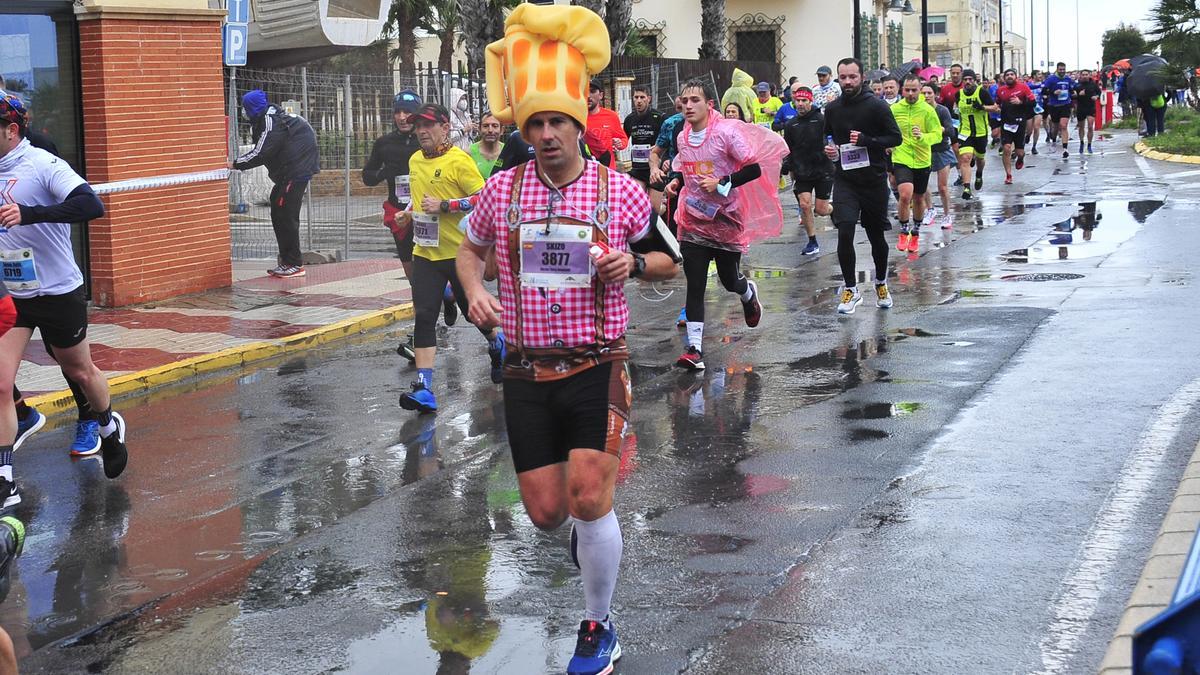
[(462, 127), (286, 145)]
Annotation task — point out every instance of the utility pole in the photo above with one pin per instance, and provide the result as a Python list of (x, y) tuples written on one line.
[(924, 33), (1000, 3), (857, 30)]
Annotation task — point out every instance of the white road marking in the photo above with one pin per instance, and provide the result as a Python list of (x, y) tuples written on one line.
[(1080, 591), (1182, 174), (1145, 167)]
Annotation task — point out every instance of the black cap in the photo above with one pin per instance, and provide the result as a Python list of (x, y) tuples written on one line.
[(970, 73), (433, 112), (595, 85)]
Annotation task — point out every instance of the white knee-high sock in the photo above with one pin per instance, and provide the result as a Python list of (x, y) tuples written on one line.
[(695, 334), (599, 553)]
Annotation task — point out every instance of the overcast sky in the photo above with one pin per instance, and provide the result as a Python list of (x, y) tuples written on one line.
[(1094, 17)]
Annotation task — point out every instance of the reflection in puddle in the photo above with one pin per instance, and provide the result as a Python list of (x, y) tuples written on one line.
[(1096, 229), (880, 411), (860, 434)]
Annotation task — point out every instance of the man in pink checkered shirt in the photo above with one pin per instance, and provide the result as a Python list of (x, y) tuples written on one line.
[(562, 227)]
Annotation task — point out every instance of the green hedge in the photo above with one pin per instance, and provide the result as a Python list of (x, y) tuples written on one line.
[(1182, 136)]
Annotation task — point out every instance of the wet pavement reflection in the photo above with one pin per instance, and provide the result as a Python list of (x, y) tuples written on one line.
[(298, 497)]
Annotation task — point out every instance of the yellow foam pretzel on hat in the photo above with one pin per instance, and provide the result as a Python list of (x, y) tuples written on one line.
[(544, 63)]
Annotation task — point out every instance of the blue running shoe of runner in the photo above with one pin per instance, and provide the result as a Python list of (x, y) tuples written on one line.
[(420, 399), (87, 438), (811, 248), (596, 650), (497, 350), (28, 427), (682, 320)]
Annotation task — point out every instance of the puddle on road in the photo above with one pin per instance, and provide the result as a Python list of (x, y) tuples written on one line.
[(823, 376), (1096, 229), (879, 411), (861, 434)]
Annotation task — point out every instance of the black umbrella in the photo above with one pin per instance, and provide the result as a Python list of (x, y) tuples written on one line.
[(905, 69), (1148, 77), (1147, 59), (876, 75)]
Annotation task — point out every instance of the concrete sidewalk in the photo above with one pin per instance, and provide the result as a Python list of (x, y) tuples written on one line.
[(256, 318), (1160, 576)]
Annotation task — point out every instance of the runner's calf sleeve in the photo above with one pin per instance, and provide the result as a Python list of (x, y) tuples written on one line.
[(599, 554)]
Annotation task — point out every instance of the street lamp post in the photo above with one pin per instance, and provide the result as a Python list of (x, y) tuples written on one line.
[(857, 30), (1000, 3), (924, 33)]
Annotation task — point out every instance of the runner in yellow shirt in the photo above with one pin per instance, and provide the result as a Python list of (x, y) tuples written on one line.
[(767, 106), (444, 178)]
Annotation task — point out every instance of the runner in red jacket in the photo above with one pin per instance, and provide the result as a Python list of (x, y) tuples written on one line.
[(605, 134)]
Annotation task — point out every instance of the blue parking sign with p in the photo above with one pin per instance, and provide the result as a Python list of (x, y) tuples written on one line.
[(235, 43)]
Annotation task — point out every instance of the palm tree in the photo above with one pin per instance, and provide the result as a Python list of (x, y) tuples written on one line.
[(712, 29), (596, 6), (404, 17), (1176, 30), (617, 17), (483, 23)]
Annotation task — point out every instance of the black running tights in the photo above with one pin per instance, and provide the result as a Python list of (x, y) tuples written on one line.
[(879, 252), (695, 269)]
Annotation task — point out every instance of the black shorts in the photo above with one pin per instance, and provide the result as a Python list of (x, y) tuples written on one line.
[(404, 245), (1085, 111), (1059, 113), (62, 319), (822, 185), (546, 420), (1014, 138), (640, 173), (918, 177), (993, 124), (867, 202), (977, 144)]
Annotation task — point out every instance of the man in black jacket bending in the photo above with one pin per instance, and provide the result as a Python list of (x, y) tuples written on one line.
[(286, 144), (861, 128)]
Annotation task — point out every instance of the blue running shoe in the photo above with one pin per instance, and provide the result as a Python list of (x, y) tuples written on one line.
[(812, 248), (419, 398), (497, 350), (596, 650), (29, 426), (87, 438), (682, 320)]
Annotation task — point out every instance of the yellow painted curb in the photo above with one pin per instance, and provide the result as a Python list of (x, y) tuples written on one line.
[(234, 357), (1145, 151)]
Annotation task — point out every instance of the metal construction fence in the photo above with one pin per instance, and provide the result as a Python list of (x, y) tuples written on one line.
[(348, 112)]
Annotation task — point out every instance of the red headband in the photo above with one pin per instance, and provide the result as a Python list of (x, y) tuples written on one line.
[(804, 95)]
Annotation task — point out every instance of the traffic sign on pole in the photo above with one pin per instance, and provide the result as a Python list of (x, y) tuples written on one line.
[(235, 39), (237, 11)]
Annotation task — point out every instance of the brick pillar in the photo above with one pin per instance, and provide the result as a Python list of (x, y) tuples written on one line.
[(154, 105)]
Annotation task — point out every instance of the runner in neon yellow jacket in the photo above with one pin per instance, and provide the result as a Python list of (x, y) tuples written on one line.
[(914, 152), (920, 128)]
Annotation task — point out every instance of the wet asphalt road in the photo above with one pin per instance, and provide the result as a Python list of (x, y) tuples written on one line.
[(913, 491)]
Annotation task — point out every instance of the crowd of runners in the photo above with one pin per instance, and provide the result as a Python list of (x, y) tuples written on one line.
[(560, 213), (554, 216)]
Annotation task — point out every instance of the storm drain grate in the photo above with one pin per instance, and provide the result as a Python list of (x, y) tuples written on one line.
[(1055, 276)]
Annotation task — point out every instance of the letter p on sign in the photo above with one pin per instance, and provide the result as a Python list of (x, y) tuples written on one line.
[(235, 43)]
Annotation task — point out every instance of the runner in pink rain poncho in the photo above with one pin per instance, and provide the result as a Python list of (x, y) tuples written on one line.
[(727, 198)]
